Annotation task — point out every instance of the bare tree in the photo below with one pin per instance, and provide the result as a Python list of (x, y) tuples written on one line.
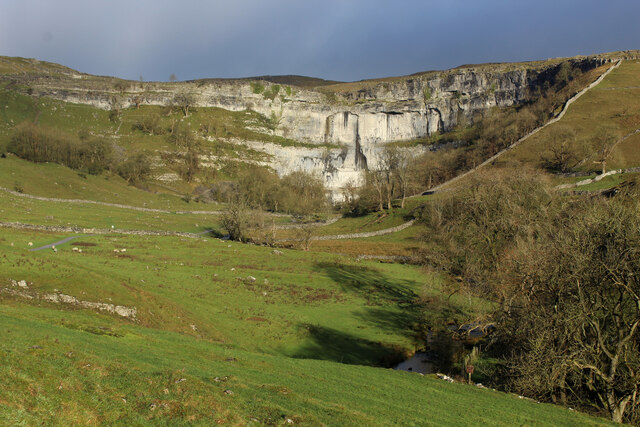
[(604, 141), (235, 219), (562, 149), (394, 166), (304, 235), (403, 174), (576, 310), (389, 160), (377, 180), (184, 101)]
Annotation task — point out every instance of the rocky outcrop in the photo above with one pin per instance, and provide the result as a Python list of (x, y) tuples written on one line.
[(56, 297)]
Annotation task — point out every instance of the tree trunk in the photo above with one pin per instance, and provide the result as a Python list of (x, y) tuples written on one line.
[(617, 408)]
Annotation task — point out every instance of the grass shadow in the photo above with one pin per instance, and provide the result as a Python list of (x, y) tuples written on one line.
[(331, 344), (376, 287), (391, 306)]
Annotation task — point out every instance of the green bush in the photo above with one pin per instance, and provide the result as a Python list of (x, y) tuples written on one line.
[(272, 92), (426, 92), (257, 88), (150, 124)]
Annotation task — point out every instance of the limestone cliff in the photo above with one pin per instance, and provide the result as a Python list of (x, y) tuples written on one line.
[(358, 117)]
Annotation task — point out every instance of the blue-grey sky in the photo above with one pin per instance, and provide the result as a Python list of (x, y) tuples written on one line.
[(333, 39)]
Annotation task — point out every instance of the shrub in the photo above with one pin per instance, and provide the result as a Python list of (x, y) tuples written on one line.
[(257, 88), (149, 124), (183, 137), (426, 92), (235, 220), (272, 92)]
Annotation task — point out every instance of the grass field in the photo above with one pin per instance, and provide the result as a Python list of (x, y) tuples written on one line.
[(35, 179), (176, 282)]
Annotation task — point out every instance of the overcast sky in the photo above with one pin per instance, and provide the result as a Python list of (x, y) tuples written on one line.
[(333, 39)]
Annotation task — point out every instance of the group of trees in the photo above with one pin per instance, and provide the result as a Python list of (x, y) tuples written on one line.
[(564, 274), (564, 151), (391, 179), (299, 193), (84, 152), (41, 144), (259, 189)]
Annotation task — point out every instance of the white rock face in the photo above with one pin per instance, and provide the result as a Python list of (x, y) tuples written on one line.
[(336, 166), (359, 120)]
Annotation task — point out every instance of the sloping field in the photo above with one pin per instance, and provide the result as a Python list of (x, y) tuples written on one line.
[(611, 109), (223, 333)]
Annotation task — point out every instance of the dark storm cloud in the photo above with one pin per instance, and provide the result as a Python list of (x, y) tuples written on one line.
[(334, 39)]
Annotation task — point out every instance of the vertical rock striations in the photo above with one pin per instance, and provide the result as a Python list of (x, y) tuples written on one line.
[(359, 118)]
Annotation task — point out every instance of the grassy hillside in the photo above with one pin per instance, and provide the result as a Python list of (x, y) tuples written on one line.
[(281, 308), (210, 345), (214, 131), (36, 179), (54, 371), (612, 107)]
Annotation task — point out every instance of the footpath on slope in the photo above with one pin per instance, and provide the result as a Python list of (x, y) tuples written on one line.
[(358, 235), (598, 178), (59, 242)]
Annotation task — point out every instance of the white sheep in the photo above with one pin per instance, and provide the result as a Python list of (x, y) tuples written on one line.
[(30, 244)]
